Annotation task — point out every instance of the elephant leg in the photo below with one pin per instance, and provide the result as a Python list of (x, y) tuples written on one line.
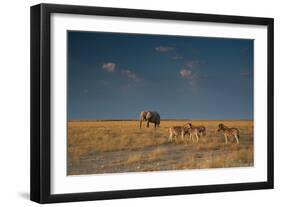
[(147, 124)]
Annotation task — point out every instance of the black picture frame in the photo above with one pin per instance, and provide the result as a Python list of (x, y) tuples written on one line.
[(41, 97)]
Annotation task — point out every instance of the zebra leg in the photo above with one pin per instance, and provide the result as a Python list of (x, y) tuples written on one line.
[(236, 137), (197, 137), (225, 137), (182, 136), (191, 137), (176, 139), (171, 137), (184, 139)]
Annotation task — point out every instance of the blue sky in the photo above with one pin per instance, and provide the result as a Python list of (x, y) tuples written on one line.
[(116, 75)]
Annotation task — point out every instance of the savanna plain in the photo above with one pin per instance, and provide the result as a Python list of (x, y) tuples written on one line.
[(95, 147)]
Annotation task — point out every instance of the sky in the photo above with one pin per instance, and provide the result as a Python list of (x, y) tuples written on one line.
[(118, 75)]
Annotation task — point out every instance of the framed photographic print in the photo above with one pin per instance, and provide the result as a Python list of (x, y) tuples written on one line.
[(133, 103)]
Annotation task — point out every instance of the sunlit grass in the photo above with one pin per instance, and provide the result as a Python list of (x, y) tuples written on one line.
[(90, 137)]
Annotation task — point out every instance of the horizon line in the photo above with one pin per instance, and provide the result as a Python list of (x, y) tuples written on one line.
[(88, 120)]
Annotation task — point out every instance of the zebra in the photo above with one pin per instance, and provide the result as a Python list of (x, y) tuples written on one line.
[(176, 131), (193, 132), (227, 132), (201, 130)]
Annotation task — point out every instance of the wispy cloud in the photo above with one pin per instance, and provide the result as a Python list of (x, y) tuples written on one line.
[(191, 72), (177, 57), (164, 49), (191, 78), (193, 63), (130, 75), (185, 73), (190, 64), (109, 67)]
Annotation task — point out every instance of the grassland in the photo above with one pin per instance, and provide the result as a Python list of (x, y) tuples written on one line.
[(120, 146)]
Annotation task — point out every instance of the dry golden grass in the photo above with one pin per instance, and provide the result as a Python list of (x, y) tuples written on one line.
[(135, 158), (147, 157), (121, 145)]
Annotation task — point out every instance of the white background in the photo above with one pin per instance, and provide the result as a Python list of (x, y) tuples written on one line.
[(14, 110), (60, 183)]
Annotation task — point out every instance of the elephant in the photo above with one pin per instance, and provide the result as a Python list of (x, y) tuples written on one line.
[(149, 116)]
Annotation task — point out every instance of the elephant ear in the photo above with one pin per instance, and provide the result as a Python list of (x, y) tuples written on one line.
[(143, 114), (148, 115)]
